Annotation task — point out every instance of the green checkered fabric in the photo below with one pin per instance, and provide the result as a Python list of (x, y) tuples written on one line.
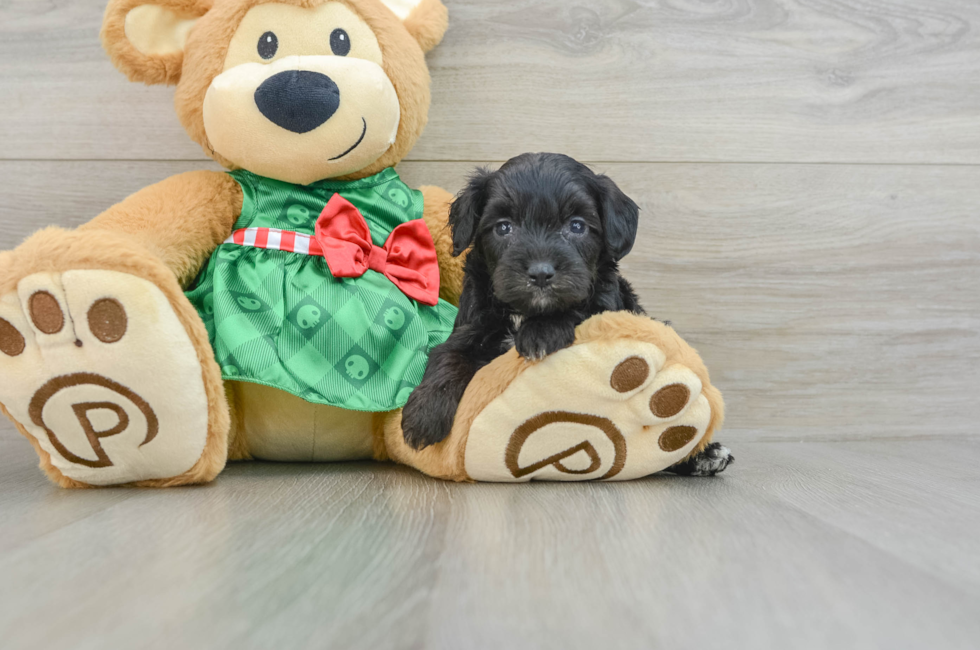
[(280, 319)]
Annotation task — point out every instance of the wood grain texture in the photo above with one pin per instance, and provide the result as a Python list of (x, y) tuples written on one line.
[(835, 304), (831, 301), (637, 80), (815, 545)]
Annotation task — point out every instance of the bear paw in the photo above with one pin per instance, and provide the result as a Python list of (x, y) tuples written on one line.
[(606, 410), (97, 368)]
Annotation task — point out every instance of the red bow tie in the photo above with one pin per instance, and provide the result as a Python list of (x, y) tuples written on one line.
[(408, 258)]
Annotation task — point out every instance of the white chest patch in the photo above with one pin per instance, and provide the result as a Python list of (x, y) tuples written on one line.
[(516, 320)]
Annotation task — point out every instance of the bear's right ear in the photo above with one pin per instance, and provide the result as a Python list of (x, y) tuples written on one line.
[(145, 38), (426, 20)]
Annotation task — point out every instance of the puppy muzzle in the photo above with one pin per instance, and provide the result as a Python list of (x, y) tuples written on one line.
[(541, 288)]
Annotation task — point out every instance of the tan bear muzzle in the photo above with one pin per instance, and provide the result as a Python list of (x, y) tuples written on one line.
[(302, 119)]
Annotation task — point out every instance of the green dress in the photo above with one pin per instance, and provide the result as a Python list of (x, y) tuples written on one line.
[(280, 318)]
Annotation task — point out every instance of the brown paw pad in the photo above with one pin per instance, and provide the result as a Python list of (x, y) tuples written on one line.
[(676, 438), (46, 313), (108, 321), (670, 400), (12, 342), (630, 375)]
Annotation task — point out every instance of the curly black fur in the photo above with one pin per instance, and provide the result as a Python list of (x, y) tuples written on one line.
[(713, 459), (547, 235)]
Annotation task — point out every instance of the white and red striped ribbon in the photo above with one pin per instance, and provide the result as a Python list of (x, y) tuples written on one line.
[(276, 240)]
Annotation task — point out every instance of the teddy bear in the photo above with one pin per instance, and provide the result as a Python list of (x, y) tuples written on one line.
[(284, 310)]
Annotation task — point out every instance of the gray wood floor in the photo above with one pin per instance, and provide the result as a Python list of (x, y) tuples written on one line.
[(801, 545), (809, 173)]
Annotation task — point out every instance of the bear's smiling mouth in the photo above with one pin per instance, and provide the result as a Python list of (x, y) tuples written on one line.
[(356, 144)]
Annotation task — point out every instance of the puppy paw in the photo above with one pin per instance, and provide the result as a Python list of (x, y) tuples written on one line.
[(627, 400), (713, 459), (536, 339), (427, 418)]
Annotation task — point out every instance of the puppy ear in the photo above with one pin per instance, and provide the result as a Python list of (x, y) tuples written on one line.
[(426, 20), (466, 210), (620, 217), (145, 38)]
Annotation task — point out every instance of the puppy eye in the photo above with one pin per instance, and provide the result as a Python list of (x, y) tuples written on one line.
[(503, 229), (578, 227), (268, 45), (340, 42)]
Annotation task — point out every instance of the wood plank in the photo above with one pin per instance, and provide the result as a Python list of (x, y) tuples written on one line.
[(884, 493), (828, 301), (29, 508), (757, 80), (784, 550), (68, 194)]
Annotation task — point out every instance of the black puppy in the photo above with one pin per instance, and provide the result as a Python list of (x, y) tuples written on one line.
[(547, 236)]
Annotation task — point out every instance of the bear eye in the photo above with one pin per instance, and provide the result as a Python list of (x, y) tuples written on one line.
[(340, 42), (268, 45)]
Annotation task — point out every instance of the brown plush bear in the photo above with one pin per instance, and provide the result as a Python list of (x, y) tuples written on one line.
[(285, 310)]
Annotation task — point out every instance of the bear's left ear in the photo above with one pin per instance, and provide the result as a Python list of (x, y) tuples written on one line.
[(426, 20), (145, 38)]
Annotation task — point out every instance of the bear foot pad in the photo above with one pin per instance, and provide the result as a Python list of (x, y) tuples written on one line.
[(614, 410), (97, 368)]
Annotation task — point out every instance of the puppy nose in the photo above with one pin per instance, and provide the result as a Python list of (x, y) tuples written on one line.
[(541, 273), (298, 100)]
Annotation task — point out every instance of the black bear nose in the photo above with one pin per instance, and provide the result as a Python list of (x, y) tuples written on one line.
[(298, 100), (541, 273)]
